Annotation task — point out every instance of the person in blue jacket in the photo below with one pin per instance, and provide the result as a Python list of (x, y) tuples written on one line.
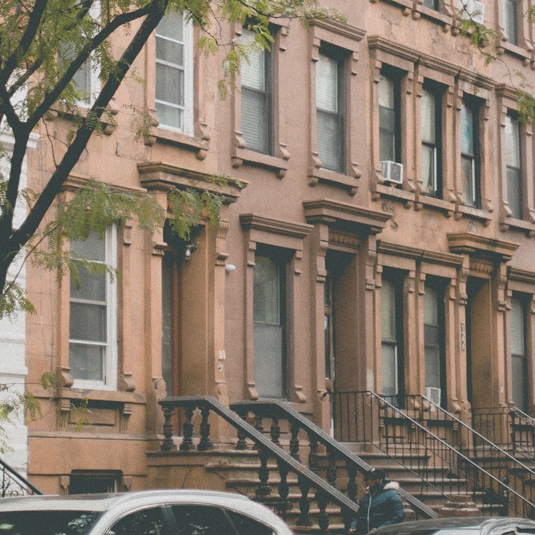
[(380, 506)]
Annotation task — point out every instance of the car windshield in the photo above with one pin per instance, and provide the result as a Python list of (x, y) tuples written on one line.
[(47, 522)]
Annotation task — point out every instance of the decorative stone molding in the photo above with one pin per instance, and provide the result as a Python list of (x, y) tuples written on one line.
[(477, 246)]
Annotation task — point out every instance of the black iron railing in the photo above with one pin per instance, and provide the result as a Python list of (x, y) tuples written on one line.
[(523, 434), (338, 458), (436, 448), (267, 448), (14, 484)]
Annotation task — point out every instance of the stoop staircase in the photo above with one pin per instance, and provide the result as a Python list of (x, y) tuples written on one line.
[(314, 481)]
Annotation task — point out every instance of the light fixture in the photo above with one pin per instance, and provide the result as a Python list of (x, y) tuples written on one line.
[(230, 268), (190, 249)]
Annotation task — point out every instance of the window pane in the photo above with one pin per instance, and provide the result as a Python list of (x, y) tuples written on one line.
[(146, 522), (172, 26), (428, 117), (268, 359), (519, 382), (467, 169), (205, 520), (327, 84), (512, 142), (430, 306), (386, 92), (86, 361), (170, 116), (169, 51), (329, 140), (387, 134), (389, 370), (511, 20), (92, 286), (169, 84), (266, 291), (88, 322), (517, 327), (514, 192), (467, 130), (248, 526), (253, 72), (429, 168), (94, 248), (388, 311), (254, 120)]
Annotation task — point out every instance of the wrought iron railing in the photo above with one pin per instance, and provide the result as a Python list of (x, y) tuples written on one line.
[(307, 480), (437, 448), (523, 434), (338, 457), (14, 484)]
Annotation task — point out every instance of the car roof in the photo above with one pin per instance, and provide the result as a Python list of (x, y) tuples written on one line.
[(120, 504), (485, 525)]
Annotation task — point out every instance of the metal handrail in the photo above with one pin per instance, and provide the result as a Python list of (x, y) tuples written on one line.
[(493, 483), (266, 448), (279, 410), (14, 484)]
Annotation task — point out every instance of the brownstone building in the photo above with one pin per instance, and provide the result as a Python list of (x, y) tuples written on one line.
[(382, 242)]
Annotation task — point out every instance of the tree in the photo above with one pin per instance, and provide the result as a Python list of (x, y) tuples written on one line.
[(44, 44)]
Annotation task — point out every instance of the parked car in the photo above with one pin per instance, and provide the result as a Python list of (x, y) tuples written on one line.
[(462, 526), (158, 512)]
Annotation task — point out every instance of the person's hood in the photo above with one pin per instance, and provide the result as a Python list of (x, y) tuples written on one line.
[(391, 485)]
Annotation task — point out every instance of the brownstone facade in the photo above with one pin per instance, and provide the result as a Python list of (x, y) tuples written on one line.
[(383, 240)]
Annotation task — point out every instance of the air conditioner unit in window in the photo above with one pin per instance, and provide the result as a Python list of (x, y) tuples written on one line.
[(392, 171), (433, 394)]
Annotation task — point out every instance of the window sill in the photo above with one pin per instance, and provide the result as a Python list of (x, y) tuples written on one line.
[(436, 16), (257, 159), (510, 223), (473, 213), (347, 182), (384, 190), (515, 50), (58, 110), (406, 4), (426, 201), (178, 139), (109, 396)]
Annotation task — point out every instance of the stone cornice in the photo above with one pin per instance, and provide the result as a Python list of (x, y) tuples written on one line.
[(521, 275), (481, 247), (414, 253), (507, 92), (275, 226), (335, 213), (476, 79), (339, 28), (376, 42)]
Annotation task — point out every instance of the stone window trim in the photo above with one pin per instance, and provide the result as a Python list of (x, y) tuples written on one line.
[(199, 142), (525, 47), (346, 39), (386, 54), (240, 154), (441, 75), (472, 86), (415, 8), (507, 104), (290, 236)]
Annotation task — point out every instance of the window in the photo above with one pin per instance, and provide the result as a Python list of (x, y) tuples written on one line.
[(92, 347), (432, 4), (510, 15), (93, 482), (257, 118), (174, 72), (392, 338), (513, 164), (269, 316), (197, 519), (518, 354), (472, 8), (470, 166), (145, 522), (431, 141), (435, 371), (389, 119), (330, 112), (86, 80)]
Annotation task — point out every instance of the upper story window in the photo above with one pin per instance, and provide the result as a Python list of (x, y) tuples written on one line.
[(432, 4), (432, 141), (174, 72), (470, 159), (510, 15), (92, 327), (330, 112), (475, 9), (518, 353), (513, 162), (257, 112)]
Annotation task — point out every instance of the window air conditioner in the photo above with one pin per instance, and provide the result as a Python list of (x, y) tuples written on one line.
[(392, 171), (433, 394)]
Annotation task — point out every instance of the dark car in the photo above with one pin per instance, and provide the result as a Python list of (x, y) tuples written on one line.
[(462, 526), (158, 512)]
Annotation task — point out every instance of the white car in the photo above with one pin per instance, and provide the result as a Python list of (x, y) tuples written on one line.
[(154, 512)]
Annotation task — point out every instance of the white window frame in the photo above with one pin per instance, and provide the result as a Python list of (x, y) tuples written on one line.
[(187, 107), (110, 364)]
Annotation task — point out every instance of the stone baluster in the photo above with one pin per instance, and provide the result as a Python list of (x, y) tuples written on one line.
[(168, 442), (313, 455), (323, 517), (352, 483), (263, 474), (331, 469), (205, 442), (187, 442), (294, 441), (304, 502), (275, 431), (284, 489)]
